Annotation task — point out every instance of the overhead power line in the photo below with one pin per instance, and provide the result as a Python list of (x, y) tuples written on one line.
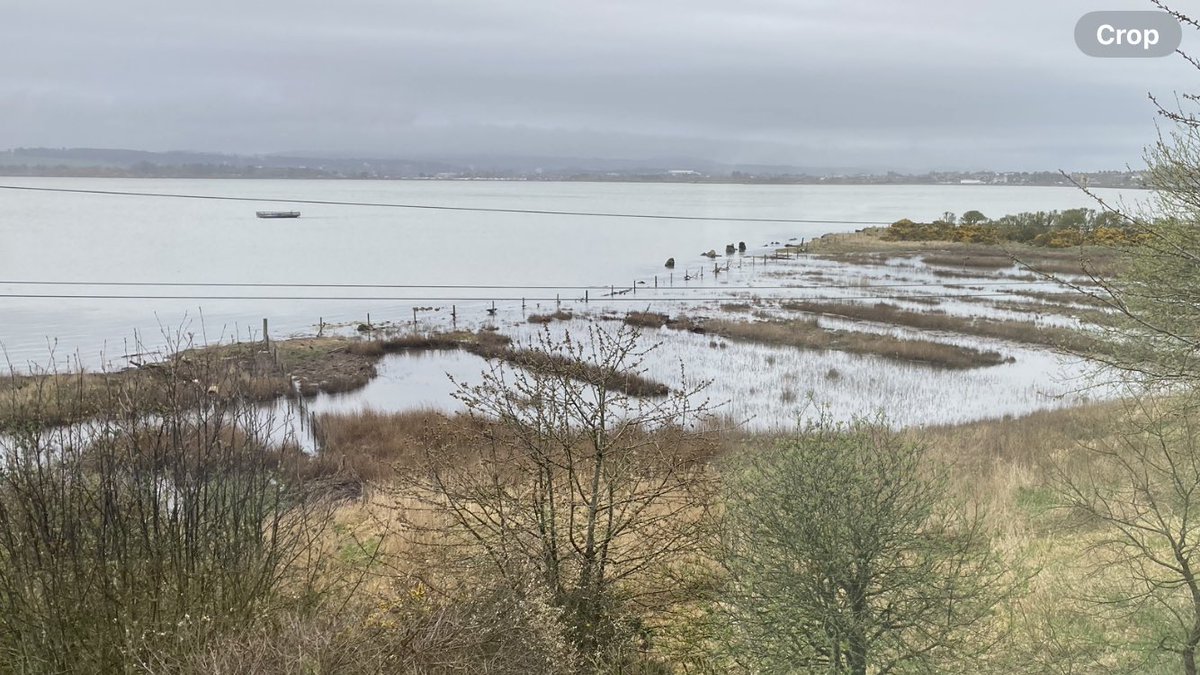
[(504, 287), (366, 298), (439, 207)]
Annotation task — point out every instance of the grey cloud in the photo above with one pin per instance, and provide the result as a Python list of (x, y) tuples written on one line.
[(816, 82)]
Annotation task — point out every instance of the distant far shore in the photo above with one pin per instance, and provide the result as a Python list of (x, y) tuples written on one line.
[(1090, 180), (119, 163)]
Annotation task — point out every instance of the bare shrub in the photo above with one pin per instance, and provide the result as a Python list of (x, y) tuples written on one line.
[(135, 534), (598, 492), (488, 628)]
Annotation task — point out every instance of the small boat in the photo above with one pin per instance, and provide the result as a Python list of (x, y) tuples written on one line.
[(277, 214)]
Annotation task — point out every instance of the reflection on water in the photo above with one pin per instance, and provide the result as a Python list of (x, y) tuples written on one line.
[(407, 382)]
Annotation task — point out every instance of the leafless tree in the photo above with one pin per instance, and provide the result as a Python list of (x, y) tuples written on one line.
[(598, 491)]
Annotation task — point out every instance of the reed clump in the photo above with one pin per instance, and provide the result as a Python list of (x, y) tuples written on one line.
[(657, 320), (560, 315)]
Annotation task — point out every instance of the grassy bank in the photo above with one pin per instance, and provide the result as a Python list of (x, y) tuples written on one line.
[(1004, 466), (873, 245)]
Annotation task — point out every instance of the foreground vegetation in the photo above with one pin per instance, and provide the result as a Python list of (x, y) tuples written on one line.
[(560, 525)]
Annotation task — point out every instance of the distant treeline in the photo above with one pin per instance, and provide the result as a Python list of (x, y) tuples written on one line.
[(1054, 229)]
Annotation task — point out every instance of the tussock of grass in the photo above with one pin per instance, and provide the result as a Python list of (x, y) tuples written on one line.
[(657, 320), (1014, 331), (646, 319), (560, 315), (584, 371), (807, 334)]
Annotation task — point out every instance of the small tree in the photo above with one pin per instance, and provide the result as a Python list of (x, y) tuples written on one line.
[(844, 555), (1142, 487), (598, 491), (973, 217)]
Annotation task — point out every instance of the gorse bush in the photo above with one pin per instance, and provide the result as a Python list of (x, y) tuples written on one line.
[(1053, 229), (133, 536)]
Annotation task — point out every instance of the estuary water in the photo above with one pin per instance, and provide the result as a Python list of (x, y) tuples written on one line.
[(57, 247)]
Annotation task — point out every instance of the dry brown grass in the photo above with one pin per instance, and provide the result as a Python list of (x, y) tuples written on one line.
[(646, 319), (736, 307), (371, 445), (807, 334), (867, 240), (50, 399), (1015, 331), (1006, 466), (656, 320), (584, 371), (851, 247), (560, 315)]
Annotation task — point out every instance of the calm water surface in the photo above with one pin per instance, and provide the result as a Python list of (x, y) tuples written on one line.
[(88, 240)]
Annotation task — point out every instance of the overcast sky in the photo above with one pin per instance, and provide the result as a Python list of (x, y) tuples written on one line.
[(819, 83)]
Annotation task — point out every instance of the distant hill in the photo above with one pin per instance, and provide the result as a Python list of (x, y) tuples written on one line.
[(115, 162)]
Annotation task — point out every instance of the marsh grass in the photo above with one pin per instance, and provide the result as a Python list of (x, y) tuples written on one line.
[(657, 320), (1069, 297), (49, 398), (560, 315), (808, 334), (1014, 331)]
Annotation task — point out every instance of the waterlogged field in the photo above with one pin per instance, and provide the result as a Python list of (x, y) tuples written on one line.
[(770, 386)]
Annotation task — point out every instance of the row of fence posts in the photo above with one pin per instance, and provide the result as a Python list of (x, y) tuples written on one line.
[(307, 417), (612, 292), (314, 425)]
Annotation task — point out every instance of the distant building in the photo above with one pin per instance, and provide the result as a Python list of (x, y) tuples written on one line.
[(970, 181), (682, 172)]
